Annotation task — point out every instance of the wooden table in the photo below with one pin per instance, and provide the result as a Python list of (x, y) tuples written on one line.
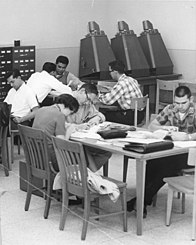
[(140, 169)]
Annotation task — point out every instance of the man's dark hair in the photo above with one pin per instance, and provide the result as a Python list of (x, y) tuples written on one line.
[(68, 101), (62, 59), (117, 65), (181, 91), (49, 67), (90, 88), (15, 73)]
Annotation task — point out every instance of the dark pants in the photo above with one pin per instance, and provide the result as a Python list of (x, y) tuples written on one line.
[(157, 169), (123, 116)]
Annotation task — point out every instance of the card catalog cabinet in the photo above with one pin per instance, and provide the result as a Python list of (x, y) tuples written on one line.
[(21, 58)]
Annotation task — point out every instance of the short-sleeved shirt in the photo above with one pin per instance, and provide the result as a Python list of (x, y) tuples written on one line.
[(50, 120), (170, 116), (125, 89), (22, 100), (42, 83)]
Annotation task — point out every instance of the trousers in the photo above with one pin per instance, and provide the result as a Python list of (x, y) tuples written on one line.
[(157, 169)]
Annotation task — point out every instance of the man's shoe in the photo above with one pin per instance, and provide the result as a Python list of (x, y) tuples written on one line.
[(131, 205)]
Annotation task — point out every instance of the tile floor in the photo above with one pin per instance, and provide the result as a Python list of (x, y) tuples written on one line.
[(30, 228)]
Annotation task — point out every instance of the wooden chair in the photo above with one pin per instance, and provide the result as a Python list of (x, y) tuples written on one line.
[(165, 93), (184, 184), (137, 104), (4, 149), (36, 152), (73, 169)]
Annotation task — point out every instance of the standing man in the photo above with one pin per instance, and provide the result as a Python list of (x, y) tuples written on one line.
[(43, 83), (65, 76), (86, 116), (121, 94), (22, 98), (181, 114)]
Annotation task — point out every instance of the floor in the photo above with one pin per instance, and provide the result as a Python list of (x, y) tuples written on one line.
[(30, 228)]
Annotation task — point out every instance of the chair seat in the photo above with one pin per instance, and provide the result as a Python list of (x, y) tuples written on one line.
[(183, 184)]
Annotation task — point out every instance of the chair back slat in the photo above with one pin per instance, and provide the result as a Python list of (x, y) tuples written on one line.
[(72, 163), (36, 151)]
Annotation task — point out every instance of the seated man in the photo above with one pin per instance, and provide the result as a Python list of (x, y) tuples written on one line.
[(23, 100), (42, 83), (181, 114), (51, 119), (121, 94), (64, 76), (86, 116)]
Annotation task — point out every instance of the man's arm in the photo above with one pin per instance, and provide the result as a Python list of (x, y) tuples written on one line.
[(29, 116), (112, 96), (73, 82), (59, 87)]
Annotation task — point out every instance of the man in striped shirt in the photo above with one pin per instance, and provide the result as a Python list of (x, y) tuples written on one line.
[(121, 94)]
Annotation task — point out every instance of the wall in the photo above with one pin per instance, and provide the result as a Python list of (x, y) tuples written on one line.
[(175, 20), (56, 26)]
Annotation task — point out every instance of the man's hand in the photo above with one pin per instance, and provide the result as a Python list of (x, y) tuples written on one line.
[(94, 121), (178, 136), (17, 119)]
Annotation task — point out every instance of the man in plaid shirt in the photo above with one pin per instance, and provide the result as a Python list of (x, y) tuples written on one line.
[(121, 94)]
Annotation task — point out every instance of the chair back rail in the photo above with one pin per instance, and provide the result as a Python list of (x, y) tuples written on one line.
[(72, 163)]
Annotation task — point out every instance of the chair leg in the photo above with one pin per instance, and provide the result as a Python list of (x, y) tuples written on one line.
[(12, 147), (29, 193), (105, 169), (18, 145), (194, 219), (64, 209), (4, 157), (124, 208), (125, 166), (48, 200), (169, 206), (85, 217), (183, 202)]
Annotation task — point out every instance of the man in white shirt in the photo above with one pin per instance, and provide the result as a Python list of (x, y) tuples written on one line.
[(22, 98), (42, 83)]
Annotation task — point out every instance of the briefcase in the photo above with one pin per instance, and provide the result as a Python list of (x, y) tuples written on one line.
[(149, 147)]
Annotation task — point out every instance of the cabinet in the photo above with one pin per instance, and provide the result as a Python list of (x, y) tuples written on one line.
[(21, 58)]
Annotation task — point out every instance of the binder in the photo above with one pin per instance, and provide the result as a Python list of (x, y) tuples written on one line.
[(149, 147)]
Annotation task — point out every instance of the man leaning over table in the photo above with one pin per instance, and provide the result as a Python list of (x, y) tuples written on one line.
[(86, 116), (121, 94), (181, 114)]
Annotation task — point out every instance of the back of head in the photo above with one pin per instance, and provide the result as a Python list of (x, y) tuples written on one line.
[(15, 73), (117, 65), (181, 91), (49, 67), (89, 88), (62, 59), (68, 101)]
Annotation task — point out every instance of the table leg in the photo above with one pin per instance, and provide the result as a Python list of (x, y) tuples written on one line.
[(140, 182)]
